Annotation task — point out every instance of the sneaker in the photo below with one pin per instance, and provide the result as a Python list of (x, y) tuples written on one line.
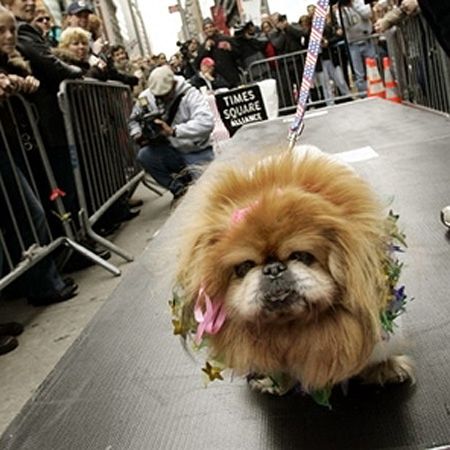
[(66, 293), (445, 216), (8, 344), (11, 329)]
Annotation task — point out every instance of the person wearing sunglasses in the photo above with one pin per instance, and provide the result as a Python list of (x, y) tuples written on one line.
[(45, 23), (42, 20)]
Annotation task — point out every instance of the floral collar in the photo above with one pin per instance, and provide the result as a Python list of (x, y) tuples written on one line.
[(209, 321)]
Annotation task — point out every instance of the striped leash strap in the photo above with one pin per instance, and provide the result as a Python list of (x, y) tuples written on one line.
[(315, 38)]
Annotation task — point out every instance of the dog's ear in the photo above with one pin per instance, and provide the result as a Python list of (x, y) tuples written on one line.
[(355, 264), (190, 273)]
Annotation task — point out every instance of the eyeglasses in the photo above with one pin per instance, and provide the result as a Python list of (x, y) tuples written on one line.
[(43, 19)]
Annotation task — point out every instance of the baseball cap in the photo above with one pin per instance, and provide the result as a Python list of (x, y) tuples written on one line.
[(77, 7), (208, 62), (160, 81)]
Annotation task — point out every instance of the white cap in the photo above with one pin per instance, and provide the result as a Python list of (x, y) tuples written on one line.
[(160, 81)]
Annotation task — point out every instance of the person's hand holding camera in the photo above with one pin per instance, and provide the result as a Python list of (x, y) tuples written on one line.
[(166, 129), (209, 44)]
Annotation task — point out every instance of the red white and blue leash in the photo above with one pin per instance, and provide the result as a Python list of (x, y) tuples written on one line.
[(315, 39)]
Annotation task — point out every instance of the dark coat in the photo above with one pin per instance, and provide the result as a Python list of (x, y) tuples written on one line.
[(218, 82), (109, 73), (226, 60), (289, 40), (50, 71), (15, 65), (251, 49), (437, 14)]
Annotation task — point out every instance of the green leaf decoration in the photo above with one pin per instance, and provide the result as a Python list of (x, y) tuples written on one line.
[(322, 396)]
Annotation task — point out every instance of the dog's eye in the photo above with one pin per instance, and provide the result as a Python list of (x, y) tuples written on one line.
[(304, 257), (241, 269)]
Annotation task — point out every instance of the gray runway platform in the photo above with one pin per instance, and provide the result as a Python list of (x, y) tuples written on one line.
[(127, 384)]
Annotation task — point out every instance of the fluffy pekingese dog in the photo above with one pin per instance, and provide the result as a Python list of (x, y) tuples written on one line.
[(284, 276)]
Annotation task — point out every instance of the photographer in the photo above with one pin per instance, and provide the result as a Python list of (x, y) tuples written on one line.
[(250, 46), (222, 49), (172, 123), (288, 37), (189, 51)]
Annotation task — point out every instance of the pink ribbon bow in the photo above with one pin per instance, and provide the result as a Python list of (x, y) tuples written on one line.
[(211, 319), (239, 214)]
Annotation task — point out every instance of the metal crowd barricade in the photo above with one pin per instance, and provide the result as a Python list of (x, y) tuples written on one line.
[(422, 67), (102, 153), (25, 236), (287, 70)]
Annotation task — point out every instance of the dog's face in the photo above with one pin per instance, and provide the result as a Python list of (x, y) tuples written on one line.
[(281, 288), (291, 250), (278, 259)]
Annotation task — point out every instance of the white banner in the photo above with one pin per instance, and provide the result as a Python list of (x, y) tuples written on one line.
[(251, 10)]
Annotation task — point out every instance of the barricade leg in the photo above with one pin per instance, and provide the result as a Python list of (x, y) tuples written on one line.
[(92, 256)]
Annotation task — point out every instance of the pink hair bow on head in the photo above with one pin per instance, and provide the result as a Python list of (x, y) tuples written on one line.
[(239, 214), (211, 319)]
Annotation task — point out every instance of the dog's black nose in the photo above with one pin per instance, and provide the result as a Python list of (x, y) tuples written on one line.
[(274, 269)]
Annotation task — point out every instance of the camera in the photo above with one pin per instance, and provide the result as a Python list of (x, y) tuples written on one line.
[(146, 119), (183, 46)]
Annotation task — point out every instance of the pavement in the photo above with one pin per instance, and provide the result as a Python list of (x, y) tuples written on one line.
[(50, 331)]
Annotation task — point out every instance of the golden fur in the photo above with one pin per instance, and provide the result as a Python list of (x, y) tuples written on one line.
[(307, 203)]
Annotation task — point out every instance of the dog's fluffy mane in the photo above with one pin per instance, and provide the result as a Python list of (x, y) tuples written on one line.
[(288, 194)]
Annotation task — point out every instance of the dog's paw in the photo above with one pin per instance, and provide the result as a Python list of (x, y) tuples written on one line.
[(270, 385), (395, 370)]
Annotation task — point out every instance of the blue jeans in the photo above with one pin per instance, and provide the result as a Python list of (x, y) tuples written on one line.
[(171, 168), (359, 51), (43, 278)]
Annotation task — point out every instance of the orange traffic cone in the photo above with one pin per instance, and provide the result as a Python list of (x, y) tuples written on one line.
[(375, 86), (391, 85)]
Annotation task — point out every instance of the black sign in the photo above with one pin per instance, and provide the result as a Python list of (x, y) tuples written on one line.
[(240, 106)]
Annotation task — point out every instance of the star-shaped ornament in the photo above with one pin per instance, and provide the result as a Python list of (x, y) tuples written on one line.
[(214, 373)]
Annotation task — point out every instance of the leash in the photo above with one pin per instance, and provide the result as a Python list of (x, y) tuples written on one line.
[(315, 39)]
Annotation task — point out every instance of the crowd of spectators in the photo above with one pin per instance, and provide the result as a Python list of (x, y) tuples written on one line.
[(36, 55), (34, 59)]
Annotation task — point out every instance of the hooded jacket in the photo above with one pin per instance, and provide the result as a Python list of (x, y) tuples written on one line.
[(357, 21), (193, 120)]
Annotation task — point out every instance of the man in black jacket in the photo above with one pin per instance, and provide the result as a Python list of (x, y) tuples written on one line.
[(222, 49), (288, 38)]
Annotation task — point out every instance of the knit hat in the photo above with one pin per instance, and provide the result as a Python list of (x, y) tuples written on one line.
[(160, 81)]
